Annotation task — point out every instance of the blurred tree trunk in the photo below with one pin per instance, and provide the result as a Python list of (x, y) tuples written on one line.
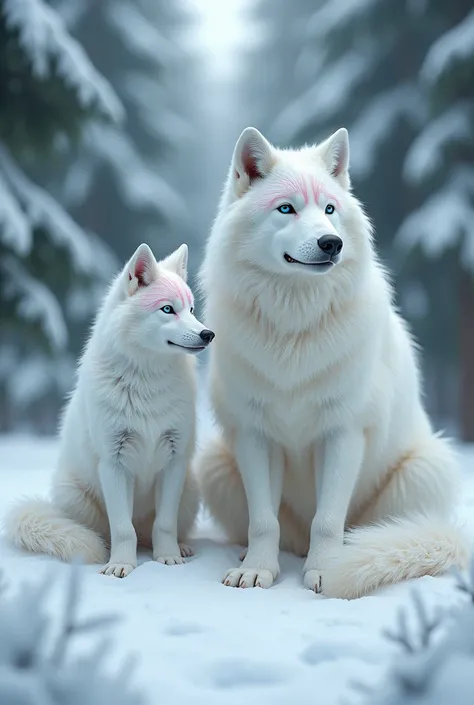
[(466, 355)]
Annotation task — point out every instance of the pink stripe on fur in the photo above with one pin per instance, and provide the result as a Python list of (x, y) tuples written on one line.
[(290, 187), (165, 290)]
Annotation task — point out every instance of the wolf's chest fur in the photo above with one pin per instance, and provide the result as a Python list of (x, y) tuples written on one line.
[(298, 386)]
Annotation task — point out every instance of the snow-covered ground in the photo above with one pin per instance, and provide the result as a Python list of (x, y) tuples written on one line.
[(196, 641)]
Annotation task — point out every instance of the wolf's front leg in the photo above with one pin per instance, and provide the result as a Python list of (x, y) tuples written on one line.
[(261, 468), (117, 487), (335, 478), (168, 494)]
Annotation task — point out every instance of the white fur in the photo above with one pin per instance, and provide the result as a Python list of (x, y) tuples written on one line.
[(315, 386), (127, 433)]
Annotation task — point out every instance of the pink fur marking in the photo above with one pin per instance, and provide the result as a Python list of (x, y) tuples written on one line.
[(166, 289), (284, 190), (319, 190), (289, 187)]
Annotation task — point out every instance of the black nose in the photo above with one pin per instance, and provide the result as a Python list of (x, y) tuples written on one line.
[(330, 244), (207, 336)]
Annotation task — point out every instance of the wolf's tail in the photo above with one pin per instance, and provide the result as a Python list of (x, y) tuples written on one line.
[(391, 551), (40, 527)]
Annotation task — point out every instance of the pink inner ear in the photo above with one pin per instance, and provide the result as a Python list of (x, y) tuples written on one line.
[(250, 164), (141, 267)]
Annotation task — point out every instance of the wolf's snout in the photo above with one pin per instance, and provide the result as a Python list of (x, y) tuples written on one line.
[(207, 336), (330, 244)]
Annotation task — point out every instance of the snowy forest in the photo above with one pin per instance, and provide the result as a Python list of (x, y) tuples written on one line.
[(117, 125)]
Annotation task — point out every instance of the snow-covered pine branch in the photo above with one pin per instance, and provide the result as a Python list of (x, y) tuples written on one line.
[(338, 15), (445, 219), (427, 153), (140, 186), (36, 666), (42, 211), (335, 83), (51, 49), (436, 660), (453, 48), (441, 156), (377, 121), (138, 34)]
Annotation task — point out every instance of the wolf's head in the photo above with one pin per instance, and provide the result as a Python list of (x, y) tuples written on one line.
[(155, 311), (290, 212)]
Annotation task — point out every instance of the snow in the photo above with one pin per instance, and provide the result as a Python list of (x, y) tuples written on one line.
[(443, 219), (138, 34), (453, 47), (43, 211), (46, 42), (377, 121), (335, 86), (427, 153), (198, 641)]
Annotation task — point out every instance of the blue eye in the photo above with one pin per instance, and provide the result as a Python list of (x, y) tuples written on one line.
[(329, 210), (167, 309), (286, 209)]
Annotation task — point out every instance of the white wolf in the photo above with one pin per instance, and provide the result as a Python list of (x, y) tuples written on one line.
[(315, 385), (127, 435)]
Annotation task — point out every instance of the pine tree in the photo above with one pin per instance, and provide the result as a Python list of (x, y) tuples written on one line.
[(440, 165), (49, 91), (120, 186)]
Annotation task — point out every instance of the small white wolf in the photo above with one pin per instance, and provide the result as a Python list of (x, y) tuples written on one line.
[(325, 447), (128, 431)]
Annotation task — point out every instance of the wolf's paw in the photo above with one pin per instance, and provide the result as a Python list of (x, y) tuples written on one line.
[(118, 570), (247, 577), (169, 560), (312, 580), (186, 552)]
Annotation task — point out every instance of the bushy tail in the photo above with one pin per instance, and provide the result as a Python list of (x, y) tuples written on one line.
[(395, 550), (38, 526)]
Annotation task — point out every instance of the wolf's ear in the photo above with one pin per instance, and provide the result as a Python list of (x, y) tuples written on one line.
[(141, 269), (335, 154), (177, 262), (253, 158)]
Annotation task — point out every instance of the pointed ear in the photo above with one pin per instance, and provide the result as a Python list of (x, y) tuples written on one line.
[(177, 262), (253, 158), (335, 154), (141, 269)]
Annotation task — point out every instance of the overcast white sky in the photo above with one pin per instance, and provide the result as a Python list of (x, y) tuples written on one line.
[(222, 30)]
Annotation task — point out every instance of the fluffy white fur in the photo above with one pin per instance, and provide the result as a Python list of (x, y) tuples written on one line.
[(315, 386), (127, 434)]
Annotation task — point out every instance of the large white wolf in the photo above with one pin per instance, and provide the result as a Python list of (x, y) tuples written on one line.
[(127, 435), (315, 385)]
